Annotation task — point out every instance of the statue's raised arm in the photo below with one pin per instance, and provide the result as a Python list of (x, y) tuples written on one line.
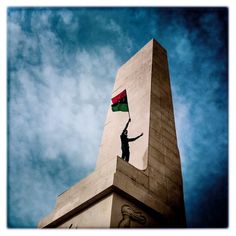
[(126, 126)]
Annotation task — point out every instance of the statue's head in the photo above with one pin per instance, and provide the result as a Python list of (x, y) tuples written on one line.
[(126, 132)]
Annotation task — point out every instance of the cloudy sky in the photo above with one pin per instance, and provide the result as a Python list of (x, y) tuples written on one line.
[(61, 69)]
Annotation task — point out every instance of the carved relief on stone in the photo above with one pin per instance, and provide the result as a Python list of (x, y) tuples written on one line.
[(130, 215)]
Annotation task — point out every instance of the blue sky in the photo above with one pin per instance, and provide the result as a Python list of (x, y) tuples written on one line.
[(61, 60)]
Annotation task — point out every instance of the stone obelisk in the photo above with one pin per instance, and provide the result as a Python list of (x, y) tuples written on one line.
[(147, 191)]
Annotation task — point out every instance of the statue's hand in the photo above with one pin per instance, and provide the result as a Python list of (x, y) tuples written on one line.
[(141, 134), (129, 119)]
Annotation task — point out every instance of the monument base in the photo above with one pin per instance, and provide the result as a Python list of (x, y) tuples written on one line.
[(114, 196)]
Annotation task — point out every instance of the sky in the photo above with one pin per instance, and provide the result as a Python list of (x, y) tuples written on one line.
[(61, 67)]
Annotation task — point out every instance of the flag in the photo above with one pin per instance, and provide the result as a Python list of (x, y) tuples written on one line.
[(120, 102)]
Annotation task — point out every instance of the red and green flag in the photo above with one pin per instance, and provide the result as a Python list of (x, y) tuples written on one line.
[(120, 102)]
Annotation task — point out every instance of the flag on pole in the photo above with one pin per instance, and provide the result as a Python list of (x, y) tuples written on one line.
[(120, 102)]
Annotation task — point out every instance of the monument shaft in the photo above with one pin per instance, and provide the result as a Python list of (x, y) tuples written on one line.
[(147, 191)]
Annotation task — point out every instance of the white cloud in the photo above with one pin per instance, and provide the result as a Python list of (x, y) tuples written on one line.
[(57, 113), (67, 16), (122, 37), (184, 49), (60, 110), (184, 127)]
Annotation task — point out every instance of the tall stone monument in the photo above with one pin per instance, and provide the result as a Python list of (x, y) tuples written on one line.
[(147, 191)]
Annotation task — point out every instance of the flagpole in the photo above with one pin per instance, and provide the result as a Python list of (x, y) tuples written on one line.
[(128, 104)]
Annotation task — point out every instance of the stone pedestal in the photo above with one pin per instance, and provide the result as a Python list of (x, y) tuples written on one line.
[(148, 191)]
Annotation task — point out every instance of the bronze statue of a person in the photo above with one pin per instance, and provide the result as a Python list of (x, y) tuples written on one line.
[(125, 142)]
